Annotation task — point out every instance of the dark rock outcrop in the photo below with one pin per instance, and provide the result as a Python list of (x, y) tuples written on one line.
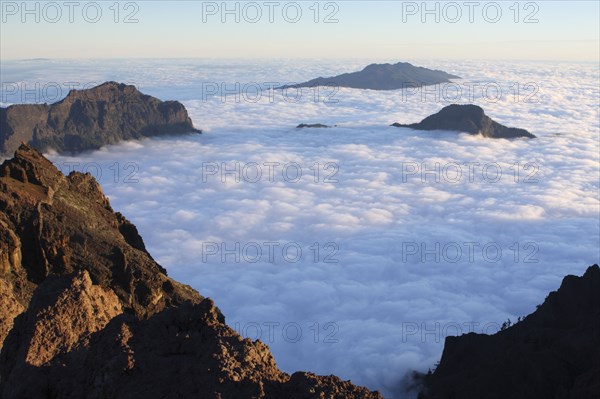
[(554, 353), (87, 313), (88, 119), (311, 126), (383, 77), (467, 118)]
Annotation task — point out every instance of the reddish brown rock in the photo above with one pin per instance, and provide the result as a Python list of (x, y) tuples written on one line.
[(11, 308), (87, 312), (61, 225), (58, 327)]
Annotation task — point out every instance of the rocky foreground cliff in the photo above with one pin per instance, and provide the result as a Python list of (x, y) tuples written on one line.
[(88, 119), (87, 313), (554, 353)]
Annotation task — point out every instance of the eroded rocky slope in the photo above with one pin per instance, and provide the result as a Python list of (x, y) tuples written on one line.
[(87, 313), (88, 119)]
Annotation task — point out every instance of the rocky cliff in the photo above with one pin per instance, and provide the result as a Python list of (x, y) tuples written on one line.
[(87, 313), (89, 119), (554, 353), (467, 118)]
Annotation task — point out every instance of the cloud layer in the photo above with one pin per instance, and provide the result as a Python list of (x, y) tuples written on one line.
[(405, 236)]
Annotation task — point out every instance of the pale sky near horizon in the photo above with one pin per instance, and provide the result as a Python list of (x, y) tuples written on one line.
[(540, 30)]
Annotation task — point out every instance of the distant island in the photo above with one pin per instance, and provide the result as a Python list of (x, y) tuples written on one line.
[(383, 77), (467, 118), (88, 119)]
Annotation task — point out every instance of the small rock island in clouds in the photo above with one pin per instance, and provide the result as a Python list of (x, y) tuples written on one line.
[(311, 126), (467, 118)]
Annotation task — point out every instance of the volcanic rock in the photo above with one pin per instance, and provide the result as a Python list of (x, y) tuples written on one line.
[(311, 126), (87, 313), (383, 77), (554, 353), (88, 119), (467, 118)]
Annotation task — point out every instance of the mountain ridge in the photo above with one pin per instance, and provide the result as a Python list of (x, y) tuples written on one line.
[(88, 119), (89, 314), (554, 353)]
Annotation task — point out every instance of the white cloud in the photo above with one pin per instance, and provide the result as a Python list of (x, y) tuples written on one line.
[(387, 300)]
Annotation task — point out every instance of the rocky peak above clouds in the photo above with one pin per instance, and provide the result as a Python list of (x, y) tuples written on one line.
[(88, 313)]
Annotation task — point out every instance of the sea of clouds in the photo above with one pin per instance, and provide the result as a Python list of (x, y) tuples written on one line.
[(355, 250)]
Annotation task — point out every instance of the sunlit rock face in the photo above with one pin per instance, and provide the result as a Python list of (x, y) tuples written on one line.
[(88, 313)]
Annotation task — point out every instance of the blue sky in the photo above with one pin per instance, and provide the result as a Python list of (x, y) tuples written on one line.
[(542, 30)]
